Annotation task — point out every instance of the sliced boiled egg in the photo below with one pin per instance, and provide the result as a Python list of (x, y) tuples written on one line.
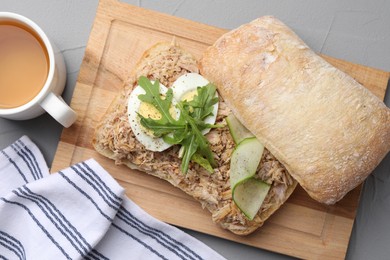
[(145, 136), (185, 88)]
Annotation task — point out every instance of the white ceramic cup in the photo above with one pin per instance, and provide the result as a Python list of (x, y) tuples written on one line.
[(49, 97)]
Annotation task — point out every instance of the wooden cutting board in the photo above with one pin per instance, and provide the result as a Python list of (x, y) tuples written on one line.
[(302, 227)]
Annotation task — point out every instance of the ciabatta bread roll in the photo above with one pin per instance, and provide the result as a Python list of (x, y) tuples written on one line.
[(328, 130)]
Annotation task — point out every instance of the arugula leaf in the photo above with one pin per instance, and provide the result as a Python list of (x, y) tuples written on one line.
[(202, 162), (187, 129), (160, 127), (152, 96), (190, 147), (202, 104), (203, 145)]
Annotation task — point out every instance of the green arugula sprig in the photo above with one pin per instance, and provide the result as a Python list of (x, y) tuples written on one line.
[(187, 129)]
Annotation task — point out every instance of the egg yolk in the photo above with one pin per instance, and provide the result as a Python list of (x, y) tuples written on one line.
[(189, 95), (149, 111)]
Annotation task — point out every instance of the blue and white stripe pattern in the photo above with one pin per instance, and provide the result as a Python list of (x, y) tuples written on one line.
[(78, 213)]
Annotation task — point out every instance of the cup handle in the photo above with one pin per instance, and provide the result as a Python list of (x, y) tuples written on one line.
[(59, 110)]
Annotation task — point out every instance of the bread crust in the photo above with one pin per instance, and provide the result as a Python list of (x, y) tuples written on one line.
[(328, 130)]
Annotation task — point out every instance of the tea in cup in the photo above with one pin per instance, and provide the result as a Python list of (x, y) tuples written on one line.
[(32, 72)]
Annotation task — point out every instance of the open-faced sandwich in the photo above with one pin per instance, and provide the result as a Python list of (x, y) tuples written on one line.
[(238, 129)]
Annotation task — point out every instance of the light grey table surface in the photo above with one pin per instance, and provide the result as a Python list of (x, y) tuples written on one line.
[(353, 30)]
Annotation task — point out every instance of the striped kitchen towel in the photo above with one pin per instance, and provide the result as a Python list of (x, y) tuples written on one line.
[(78, 213)]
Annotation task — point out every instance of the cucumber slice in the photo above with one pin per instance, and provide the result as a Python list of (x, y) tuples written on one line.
[(237, 130), (245, 159), (248, 193)]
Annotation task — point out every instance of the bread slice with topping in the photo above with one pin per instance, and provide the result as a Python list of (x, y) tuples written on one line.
[(114, 139)]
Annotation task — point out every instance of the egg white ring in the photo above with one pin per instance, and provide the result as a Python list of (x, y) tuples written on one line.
[(189, 82), (151, 143)]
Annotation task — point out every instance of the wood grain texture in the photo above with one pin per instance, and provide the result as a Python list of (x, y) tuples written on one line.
[(302, 228)]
